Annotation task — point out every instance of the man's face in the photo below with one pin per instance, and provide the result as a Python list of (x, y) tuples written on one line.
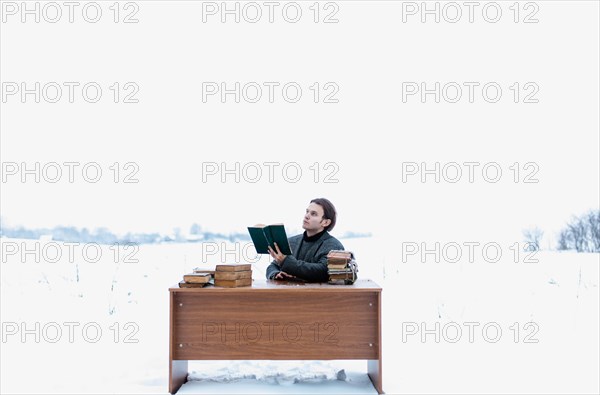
[(313, 219)]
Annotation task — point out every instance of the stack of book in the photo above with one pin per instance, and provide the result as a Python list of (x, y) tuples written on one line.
[(233, 275), (341, 267), (195, 280)]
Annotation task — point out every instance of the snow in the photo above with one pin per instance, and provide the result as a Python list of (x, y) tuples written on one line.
[(552, 348), (276, 377)]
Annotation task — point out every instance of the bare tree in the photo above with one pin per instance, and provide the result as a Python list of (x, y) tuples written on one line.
[(533, 237), (564, 240), (577, 230), (582, 234), (593, 225)]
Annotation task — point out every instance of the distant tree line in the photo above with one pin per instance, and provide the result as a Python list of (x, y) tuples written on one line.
[(105, 236), (581, 234)]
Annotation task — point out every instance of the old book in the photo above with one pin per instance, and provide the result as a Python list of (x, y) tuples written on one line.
[(339, 271), (338, 257), (341, 276), (233, 275), (183, 284), (337, 266), (339, 254), (244, 282), (264, 236), (342, 279), (233, 267), (197, 278), (205, 270)]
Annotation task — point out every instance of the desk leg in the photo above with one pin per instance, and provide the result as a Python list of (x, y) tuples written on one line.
[(375, 369), (178, 371)]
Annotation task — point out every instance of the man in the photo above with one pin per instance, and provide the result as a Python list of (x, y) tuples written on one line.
[(310, 249)]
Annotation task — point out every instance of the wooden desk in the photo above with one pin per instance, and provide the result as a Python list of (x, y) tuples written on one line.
[(275, 320)]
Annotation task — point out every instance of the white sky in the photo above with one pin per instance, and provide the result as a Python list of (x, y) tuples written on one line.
[(170, 133)]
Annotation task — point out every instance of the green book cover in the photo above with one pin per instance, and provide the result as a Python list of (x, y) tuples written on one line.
[(267, 235)]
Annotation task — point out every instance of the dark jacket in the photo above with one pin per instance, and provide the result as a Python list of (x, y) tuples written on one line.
[(309, 259)]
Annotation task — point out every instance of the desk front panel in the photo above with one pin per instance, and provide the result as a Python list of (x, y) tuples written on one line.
[(275, 325)]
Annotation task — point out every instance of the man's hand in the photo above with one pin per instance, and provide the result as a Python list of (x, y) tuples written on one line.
[(277, 255), (283, 276)]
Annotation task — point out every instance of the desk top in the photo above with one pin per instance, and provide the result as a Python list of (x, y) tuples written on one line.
[(288, 286)]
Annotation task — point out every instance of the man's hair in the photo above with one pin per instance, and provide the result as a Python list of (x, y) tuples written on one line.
[(328, 211)]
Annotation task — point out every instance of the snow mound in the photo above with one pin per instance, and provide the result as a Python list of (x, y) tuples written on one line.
[(272, 372)]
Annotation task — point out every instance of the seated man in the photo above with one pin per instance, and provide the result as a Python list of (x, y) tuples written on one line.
[(310, 249)]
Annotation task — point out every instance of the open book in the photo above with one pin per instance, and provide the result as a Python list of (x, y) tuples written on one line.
[(267, 235)]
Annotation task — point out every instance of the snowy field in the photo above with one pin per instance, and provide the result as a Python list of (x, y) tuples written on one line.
[(102, 327)]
